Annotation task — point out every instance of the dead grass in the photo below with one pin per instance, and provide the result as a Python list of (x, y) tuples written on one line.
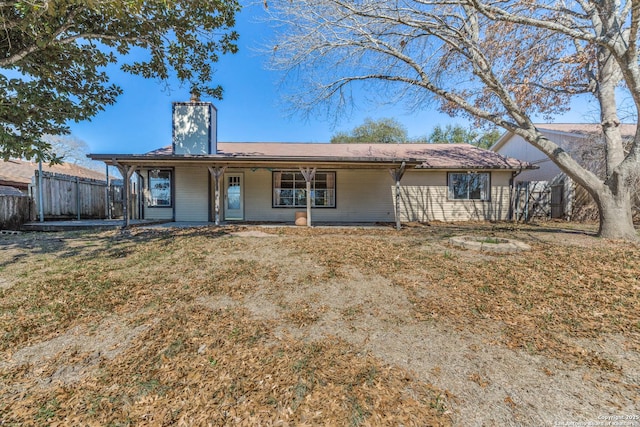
[(240, 329), (200, 367), (541, 299)]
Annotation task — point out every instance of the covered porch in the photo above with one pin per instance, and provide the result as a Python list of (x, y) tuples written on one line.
[(191, 189)]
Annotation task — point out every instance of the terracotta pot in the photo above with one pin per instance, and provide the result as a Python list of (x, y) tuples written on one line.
[(301, 218)]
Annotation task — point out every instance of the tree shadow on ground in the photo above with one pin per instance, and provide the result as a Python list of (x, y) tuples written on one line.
[(109, 244)]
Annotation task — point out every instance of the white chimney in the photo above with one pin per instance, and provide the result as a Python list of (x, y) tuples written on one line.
[(195, 129)]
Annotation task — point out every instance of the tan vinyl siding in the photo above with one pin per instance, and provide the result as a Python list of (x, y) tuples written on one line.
[(257, 195), (365, 195), (424, 197), (191, 186), (361, 196), (368, 196), (158, 213)]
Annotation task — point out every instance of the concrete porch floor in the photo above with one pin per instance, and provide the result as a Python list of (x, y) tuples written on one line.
[(107, 224), (84, 224)]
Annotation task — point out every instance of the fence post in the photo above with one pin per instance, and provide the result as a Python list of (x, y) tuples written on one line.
[(106, 195), (78, 198), (40, 198)]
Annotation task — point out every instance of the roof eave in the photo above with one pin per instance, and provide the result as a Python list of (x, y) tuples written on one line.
[(501, 141), (128, 158), (480, 167), (249, 161)]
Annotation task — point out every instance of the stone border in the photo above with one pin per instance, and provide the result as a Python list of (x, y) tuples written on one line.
[(480, 244)]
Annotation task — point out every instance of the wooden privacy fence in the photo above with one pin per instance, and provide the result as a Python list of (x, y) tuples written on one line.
[(70, 197), (15, 211), (542, 200), (532, 199)]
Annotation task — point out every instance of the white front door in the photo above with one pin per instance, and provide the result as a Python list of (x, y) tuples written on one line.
[(233, 197)]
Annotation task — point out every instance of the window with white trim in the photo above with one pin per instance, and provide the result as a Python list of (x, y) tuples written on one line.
[(469, 185), (290, 190), (160, 188)]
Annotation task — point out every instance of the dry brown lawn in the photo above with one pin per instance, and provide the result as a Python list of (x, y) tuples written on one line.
[(324, 326)]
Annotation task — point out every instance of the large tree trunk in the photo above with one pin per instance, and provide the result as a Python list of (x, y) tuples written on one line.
[(614, 198), (614, 208)]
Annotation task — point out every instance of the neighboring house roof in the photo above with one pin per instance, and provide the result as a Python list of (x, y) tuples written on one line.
[(627, 130), (18, 173), (575, 129), (10, 191), (427, 156)]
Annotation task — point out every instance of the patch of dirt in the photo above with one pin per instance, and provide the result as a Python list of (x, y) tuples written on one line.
[(484, 244), (489, 384), (493, 385), (76, 352), (252, 233), (221, 302), (5, 283)]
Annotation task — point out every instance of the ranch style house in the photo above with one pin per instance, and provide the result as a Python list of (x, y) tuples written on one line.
[(200, 179)]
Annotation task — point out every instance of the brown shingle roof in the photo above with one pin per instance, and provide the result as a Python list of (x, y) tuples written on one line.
[(18, 173), (9, 191), (431, 156)]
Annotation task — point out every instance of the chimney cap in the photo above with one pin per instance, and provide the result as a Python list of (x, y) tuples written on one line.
[(195, 95)]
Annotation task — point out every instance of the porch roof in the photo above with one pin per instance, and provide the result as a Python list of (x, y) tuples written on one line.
[(420, 156)]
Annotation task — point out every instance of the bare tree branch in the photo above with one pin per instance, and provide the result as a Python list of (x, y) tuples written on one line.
[(503, 61)]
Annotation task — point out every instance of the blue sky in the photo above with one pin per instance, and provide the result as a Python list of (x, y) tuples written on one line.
[(251, 111)]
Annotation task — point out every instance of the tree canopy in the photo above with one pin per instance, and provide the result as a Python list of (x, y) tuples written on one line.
[(458, 134), (505, 62), (56, 53), (384, 131), (72, 149)]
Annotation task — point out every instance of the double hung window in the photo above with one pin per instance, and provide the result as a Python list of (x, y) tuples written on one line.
[(159, 188), (469, 186), (290, 189)]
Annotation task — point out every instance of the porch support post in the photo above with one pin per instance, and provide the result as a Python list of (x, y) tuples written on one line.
[(397, 174), (308, 175), (126, 171), (217, 173)]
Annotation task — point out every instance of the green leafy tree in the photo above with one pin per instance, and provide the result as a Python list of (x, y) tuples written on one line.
[(457, 134), (487, 139), (55, 54), (385, 131)]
